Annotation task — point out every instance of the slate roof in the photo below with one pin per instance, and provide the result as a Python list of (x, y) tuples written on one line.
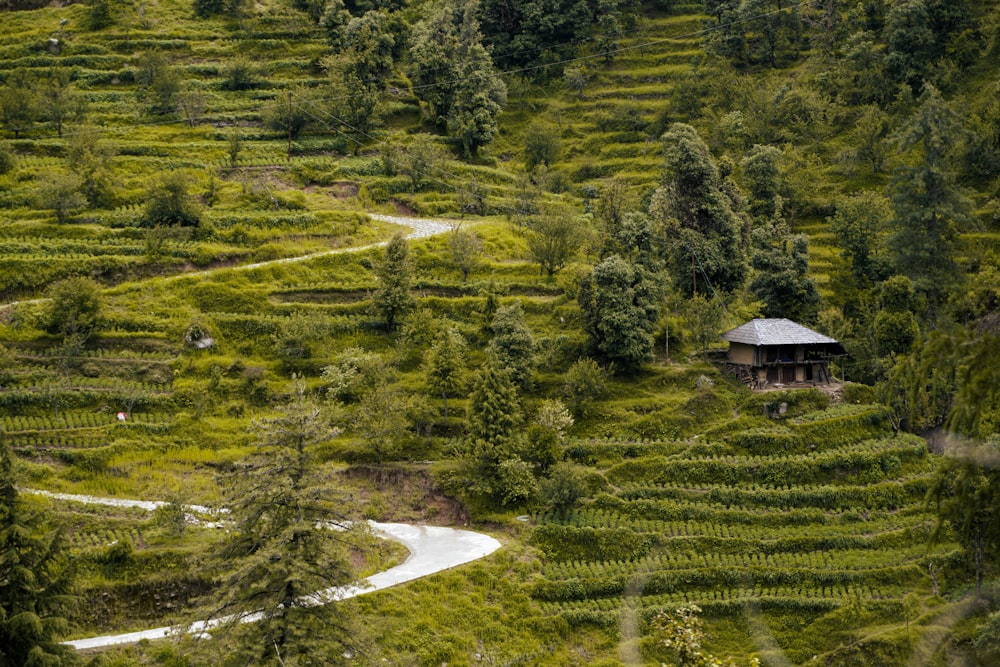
[(777, 331)]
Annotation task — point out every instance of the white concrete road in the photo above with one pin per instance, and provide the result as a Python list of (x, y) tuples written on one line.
[(432, 549)]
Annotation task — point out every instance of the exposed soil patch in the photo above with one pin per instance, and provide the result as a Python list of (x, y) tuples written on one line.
[(408, 494), (402, 209)]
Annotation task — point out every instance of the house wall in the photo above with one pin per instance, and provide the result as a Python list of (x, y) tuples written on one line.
[(741, 353)]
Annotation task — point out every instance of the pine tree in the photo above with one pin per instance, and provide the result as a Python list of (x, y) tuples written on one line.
[(445, 366), (494, 406), (513, 343), (284, 548), (928, 206), (35, 582), (392, 297)]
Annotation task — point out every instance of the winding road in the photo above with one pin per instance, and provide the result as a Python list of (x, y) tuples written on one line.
[(432, 549), (422, 228)]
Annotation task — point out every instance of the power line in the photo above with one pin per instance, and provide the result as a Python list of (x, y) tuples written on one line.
[(520, 70)]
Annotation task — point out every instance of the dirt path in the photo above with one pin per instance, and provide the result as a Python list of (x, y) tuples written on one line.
[(432, 549), (422, 228)]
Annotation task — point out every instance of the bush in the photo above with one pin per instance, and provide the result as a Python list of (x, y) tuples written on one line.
[(859, 394), (171, 203), (7, 162)]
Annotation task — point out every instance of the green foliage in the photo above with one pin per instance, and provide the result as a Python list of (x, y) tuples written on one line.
[(541, 146), (564, 488), (75, 308), (381, 420), (420, 161), (291, 114), (100, 15), (445, 364), (35, 581), (701, 218), (966, 494), (683, 633), (513, 344), (860, 223), (494, 405), (583, 385), (282, 548), (554, 238), (392, 297), (170, 203), (354, 373), (466, 250), (89, 157), (207, 8), (241, 74), (19, 103), (61, 193), (7, 161), (928, 210), (781, 280), (620, 303)]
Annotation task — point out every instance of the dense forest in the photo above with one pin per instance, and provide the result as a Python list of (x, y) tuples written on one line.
[(282, 267)]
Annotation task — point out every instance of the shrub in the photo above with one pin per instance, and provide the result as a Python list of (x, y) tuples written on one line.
[(171, 203), (7, 162)]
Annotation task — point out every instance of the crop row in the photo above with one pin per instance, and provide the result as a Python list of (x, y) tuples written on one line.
[(695, 510), (103, 353), (676, 580), (563, 543), (611, 519), (20, 400), (34, 440), (84, 384), (607, 612), (814, 434), (71, 420), (99, 246), (873, 460), (707, 508), (99, 538), (881, 495), (843, 559)]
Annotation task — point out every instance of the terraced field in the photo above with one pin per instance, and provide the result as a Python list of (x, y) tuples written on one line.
[(739, 532)]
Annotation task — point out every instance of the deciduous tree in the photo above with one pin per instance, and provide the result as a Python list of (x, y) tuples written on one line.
[(466, 250), (171, 203), (620, 303), (61, 194), (554, 238), (703, 233), (75, 308)]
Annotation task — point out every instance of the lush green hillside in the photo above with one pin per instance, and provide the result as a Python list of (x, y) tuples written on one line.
[(169, 159)]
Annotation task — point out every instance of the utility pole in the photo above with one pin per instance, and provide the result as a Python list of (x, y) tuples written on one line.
[(289, 158), (694, 275)]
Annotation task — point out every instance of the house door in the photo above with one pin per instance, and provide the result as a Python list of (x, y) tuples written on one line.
[(788, 374), (772, 374)]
